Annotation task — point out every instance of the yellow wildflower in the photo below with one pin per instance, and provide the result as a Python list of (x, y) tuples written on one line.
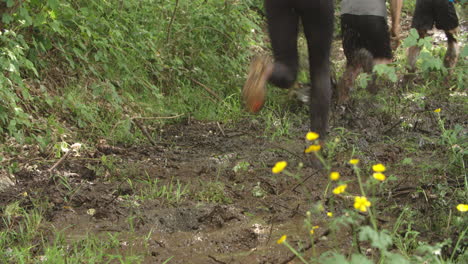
[(279, 166), (361, 203), (334, 176), (379, 176), (312, 231), (25, 194), (330, 214), (311, 136), (379, 167), (281, 240), (438, 110), (312, 148), (340, 189), (462, 207), (353, 161)]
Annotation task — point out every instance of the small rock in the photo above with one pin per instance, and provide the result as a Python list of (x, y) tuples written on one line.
[(5, 181), (91, 211)]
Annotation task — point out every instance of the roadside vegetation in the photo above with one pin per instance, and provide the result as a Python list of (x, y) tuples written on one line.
[(115, 114)]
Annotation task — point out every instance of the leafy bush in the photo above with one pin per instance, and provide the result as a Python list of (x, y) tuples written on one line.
[(94, 63)]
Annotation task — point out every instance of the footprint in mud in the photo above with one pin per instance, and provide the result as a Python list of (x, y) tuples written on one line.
[(190, 219)]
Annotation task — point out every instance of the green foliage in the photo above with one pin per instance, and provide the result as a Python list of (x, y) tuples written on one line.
[(464, 52), (149, 188), (377, 240), (386, 70), (381, 240), (414, 40), (122, 56), (213, 192), (429, 62), (241, 166), (20, 245)]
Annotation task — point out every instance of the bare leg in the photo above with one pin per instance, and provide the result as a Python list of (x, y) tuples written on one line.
[(413, 52), (451, 56), (361, 60), (346, 83)]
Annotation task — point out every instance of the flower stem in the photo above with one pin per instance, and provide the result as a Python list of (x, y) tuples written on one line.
[(295, 252), (372, 218), (326, 189), (357, 171), (322, 160)]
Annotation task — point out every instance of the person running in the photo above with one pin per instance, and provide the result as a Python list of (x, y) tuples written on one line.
[(441, 13), (283, 25), (366, 39)]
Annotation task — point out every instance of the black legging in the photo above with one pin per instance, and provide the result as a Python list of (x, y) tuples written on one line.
[(317, 20)]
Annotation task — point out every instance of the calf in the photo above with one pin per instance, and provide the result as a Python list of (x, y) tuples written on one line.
[(441, 13), (283, 18)]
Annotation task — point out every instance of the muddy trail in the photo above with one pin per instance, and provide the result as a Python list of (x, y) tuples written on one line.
[(205, 193), (228, 216)]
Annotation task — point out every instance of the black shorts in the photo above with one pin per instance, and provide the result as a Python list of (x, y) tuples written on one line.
[(439, 12), (368, 32)]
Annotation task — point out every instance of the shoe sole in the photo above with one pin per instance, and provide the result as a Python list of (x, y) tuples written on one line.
[(254, 92)]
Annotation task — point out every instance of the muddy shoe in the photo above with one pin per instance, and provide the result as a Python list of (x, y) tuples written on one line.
[(254, 90), (300, 93)]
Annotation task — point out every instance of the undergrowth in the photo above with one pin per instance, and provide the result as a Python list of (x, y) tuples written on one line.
[(92, 69)]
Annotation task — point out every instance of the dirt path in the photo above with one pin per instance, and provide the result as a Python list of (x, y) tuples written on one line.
[(228, 216), (229, 208)]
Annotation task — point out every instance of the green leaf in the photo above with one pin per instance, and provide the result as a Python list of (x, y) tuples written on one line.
[(425, 42), (363, 80), (25, 15), (52, 15), (54, 4), (12, 68), (429, 62), (387, 70), (412, 39), (464, 52), (360, 259), (381, 240), (334, 259), (7, 18), (392, 258), (10, 3), (407, 161)]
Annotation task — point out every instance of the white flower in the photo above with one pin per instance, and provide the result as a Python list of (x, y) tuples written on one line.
[(76, 146)]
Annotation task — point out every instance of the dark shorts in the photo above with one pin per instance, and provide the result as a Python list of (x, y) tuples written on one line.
[(368, 32), (439, 12)]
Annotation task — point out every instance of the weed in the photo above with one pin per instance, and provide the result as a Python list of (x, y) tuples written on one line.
[(456, 142), (213, 192), (153, 188), (365, 202), (241, 166)]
